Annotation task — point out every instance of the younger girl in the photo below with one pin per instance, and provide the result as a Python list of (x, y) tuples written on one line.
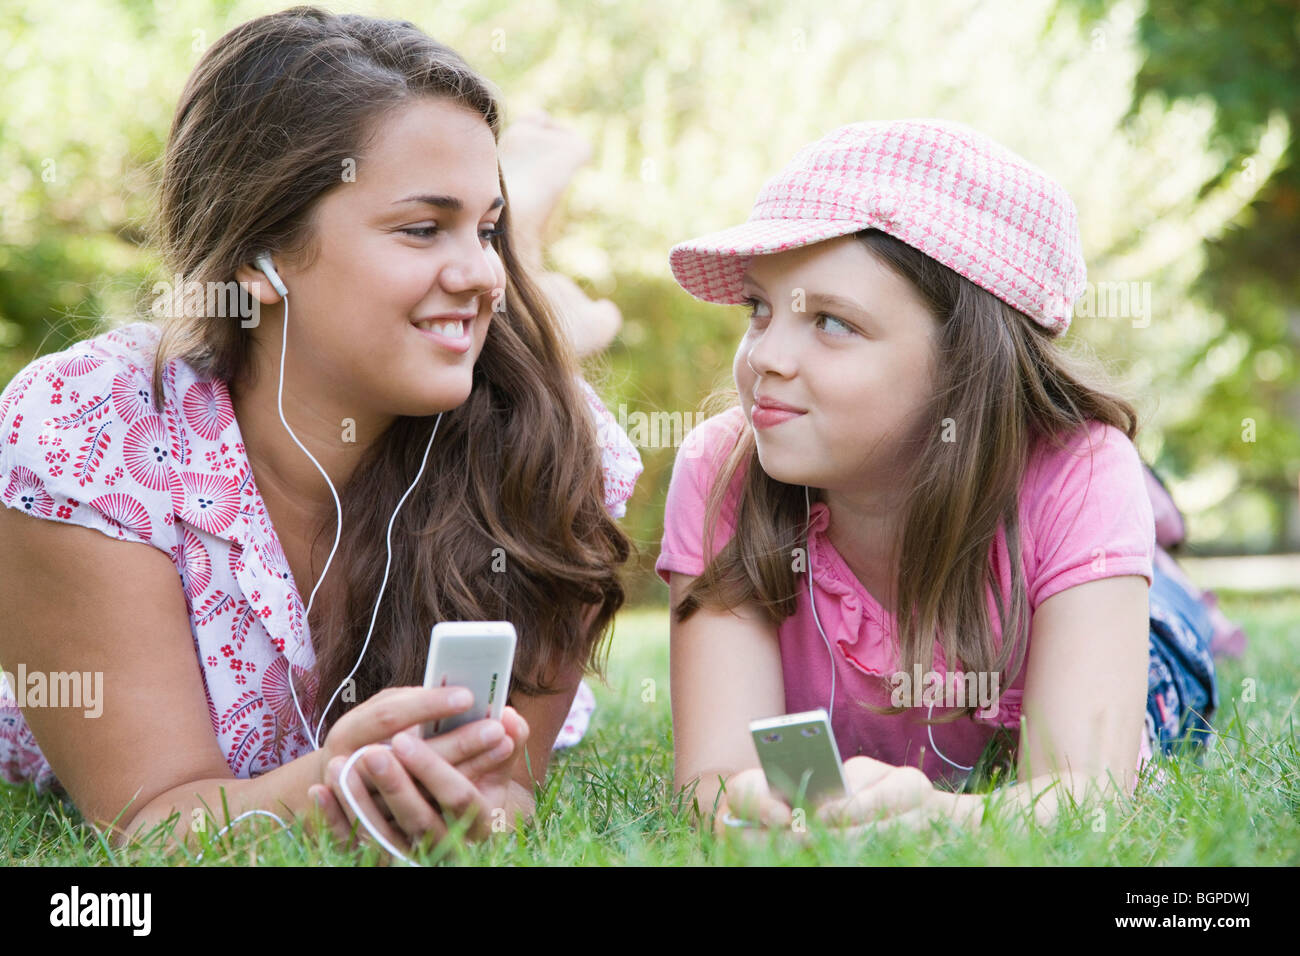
[(913, 472)]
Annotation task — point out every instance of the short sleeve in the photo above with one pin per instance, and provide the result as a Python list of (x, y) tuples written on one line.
[(1088, 512), (79, 443), (699, 461), (620, 461)]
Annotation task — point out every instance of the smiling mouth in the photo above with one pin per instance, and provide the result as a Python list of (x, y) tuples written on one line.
[(449, 329)]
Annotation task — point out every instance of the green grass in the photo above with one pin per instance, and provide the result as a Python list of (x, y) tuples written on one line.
[(609, 801)]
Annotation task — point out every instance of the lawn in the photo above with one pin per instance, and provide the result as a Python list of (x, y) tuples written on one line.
[(610, 800)]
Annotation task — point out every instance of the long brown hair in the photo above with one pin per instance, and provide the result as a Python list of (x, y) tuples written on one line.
[(1006, 384), (262, 131)]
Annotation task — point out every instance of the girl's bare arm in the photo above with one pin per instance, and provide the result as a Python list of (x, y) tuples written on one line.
[(74, 600), (726, 671), (1085, 696)]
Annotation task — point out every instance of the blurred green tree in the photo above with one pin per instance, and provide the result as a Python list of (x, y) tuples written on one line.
[(1245, 58), (691, 105)]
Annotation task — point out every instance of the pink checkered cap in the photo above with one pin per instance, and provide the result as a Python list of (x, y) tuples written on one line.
[(939, 186)]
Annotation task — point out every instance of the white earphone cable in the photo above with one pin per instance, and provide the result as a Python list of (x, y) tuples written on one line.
[(930, 729), (831, 655), (338, 510), (813, 601), (313, 735), (347, 795)]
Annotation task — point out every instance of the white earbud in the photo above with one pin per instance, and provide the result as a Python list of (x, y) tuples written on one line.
[(263, 262)]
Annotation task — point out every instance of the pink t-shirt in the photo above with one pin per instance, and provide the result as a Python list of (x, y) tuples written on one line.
[(1081, 518)]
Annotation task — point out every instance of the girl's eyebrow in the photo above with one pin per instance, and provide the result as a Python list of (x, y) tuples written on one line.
[(446, 202), (822, 298), (840, 302)]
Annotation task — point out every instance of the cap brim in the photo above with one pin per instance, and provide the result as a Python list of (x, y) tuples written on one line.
[(710, 267)]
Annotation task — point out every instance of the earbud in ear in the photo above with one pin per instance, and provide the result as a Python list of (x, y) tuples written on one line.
[(263, 262)]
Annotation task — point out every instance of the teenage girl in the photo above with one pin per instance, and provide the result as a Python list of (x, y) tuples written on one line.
[(276, 504), (913, 472)]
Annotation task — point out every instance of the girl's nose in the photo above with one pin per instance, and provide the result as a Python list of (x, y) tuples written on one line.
[(472, 270), (774, 350)]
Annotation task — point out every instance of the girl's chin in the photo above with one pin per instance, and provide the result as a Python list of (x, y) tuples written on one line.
[(784, 467), (419, 404)]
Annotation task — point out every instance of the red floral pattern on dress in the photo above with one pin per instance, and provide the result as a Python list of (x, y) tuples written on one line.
[(81, 442)]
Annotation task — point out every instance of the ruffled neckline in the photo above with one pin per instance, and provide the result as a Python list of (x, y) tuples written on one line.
[(872, 649)]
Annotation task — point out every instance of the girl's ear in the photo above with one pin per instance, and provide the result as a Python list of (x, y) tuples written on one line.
[(256, 284)]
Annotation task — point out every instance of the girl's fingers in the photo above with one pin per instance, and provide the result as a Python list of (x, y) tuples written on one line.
[(467, 742), (356, 786), (911, 820), (515, 725), (860, 773), (745, 792), (865, 772), (749, 798), (774, 813), (455, 793), (900, 791), (358, 771), (479, 749), (391, 710), (490, 761), (335, 820), (478, 767), (410, 810)]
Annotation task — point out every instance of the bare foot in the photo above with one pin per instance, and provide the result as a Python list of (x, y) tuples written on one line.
[(538, 160), (591, 325)]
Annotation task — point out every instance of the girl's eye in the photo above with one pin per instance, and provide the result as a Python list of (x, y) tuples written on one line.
[(427, 232), (839, 328), (754, 305), (847, 329)]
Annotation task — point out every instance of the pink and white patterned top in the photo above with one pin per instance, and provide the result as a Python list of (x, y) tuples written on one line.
[(81, 443)]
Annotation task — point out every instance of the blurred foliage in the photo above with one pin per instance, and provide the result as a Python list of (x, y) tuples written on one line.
[(691, 105), (669, 355), (1245, 58)]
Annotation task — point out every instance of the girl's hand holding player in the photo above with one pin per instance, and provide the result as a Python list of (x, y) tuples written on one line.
[(413, 787), (881, 795)]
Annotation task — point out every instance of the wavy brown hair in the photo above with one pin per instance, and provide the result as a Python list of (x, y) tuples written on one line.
[(260, 135), (1006, 384)]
